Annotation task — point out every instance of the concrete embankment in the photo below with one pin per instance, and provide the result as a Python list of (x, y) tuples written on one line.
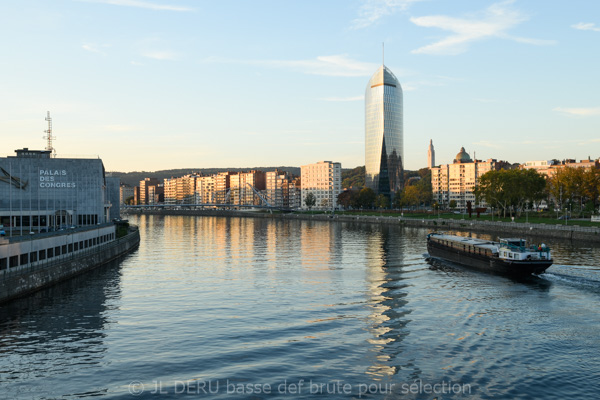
[(502, 229), (20, 281)]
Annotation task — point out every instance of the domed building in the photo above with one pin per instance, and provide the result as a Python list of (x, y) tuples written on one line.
[(462, 156), (457, 181)]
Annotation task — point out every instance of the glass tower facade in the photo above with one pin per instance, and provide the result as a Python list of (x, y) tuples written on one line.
[(384, 147)]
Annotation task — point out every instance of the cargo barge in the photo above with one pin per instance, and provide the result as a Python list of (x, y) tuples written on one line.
[(508, 256)]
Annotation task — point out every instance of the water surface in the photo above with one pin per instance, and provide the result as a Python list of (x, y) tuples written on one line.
[(230, 307)]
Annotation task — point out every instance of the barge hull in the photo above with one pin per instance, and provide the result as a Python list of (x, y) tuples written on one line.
[(486, 263)]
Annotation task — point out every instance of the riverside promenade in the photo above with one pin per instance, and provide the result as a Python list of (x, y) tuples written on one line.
[(499, 228)]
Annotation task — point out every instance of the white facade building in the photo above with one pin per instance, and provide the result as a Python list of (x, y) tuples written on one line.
[(458, 180), (324, 180)]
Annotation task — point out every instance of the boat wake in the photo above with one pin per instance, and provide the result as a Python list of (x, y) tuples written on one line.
[(579, 276)]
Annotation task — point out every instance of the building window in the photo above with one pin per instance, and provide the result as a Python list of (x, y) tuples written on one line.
[(13, 262), (42, 255), (24, 259)]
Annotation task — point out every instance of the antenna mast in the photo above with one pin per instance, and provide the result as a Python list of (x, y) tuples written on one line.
[(49, 136)]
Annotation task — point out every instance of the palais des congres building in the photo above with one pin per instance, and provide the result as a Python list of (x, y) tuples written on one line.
[(39, 192)]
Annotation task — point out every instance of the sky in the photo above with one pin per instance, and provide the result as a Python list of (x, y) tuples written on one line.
[(148, 85)]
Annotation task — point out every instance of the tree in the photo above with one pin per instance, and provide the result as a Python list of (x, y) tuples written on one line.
[(310, 200), (452, 204), (592, 186), (325, 203), (411, 196), (347, 198), (510, 189), (382, 201), (354, 178), (129, 200), (366, 198), (567, 185), (398, 199)]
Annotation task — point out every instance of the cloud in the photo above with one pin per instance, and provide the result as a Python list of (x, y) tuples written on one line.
[(335, 65), (493, 22), (354, 98), (586, 26), (92, 48), (373, 10), (140, 4), (579, 112)]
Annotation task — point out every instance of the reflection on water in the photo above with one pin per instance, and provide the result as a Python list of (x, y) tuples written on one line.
[(57, 331), (270, 302)]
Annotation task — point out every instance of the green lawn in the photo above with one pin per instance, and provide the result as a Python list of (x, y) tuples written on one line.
[(533, 218)]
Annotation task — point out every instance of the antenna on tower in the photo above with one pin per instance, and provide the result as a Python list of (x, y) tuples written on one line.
[(49, 136)]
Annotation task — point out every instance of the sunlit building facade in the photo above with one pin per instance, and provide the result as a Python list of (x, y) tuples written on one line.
[(324, 181), (181, 190), (457, 181), (244, 185), (384, 147), (205, 190), (549, 167)]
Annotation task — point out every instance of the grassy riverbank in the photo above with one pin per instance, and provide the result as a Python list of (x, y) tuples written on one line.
[(532, 218)]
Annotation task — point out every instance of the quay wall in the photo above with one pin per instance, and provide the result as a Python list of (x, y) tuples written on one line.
[(21, 281), (498, 228)]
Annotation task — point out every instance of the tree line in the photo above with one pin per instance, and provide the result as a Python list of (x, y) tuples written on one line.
[(516, 190), (508, 190), (417, 191)]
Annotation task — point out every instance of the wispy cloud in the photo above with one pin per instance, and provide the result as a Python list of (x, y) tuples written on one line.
[(493, 22), (373, 10), (92, 48), (586, 26), (335, 65), (579, 112), (141, 4), (354, 98)]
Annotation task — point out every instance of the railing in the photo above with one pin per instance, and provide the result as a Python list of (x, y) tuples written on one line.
[(65, 231), (72, 256)]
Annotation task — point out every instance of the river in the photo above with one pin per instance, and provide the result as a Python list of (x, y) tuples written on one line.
[(227, 308)]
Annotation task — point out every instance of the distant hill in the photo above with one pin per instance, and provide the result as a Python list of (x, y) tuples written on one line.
[(134, 178), (353, 178)]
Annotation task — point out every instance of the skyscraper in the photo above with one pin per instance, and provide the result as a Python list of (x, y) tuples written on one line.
[(384, 147), (430, 155)]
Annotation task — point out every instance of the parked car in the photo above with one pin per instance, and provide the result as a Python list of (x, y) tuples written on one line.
[(2, 232)]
